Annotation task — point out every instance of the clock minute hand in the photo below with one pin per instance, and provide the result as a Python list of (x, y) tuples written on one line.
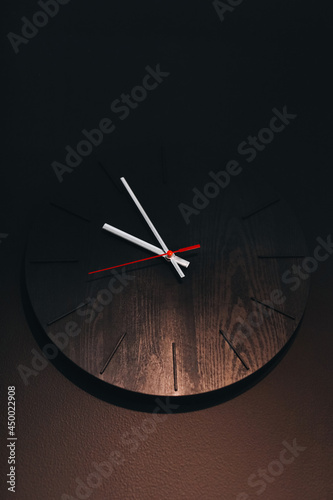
[(152, 227), (142, 243)]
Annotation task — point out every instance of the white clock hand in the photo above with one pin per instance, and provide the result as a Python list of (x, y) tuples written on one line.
[(142, 243), (152, 227)]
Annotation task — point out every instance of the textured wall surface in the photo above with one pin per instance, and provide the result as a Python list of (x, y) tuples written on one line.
[(226, 75)]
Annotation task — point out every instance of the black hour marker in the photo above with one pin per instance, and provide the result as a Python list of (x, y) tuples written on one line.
[(70, 212), (232, 347), (174, 360), (113, 353), (281, 256), (66, 314), (55, 261), (260, 209), (119, 187), (163, 165), (273, 308)]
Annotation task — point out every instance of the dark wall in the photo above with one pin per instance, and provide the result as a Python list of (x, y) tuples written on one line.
[(227, 73)]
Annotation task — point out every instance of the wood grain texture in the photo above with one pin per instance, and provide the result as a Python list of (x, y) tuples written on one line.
[(128, 328)]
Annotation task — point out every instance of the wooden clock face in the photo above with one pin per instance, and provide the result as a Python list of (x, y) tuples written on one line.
[(141, 327)]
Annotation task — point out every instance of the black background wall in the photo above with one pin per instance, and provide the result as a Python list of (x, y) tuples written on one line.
[(226, 74)]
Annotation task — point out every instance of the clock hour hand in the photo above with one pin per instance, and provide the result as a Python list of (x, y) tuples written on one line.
[(152, 227), (142, 243)]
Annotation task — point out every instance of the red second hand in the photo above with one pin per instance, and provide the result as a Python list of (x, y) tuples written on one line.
[(169, 253)]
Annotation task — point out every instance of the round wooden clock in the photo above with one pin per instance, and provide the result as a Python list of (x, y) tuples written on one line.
[(178, 324)]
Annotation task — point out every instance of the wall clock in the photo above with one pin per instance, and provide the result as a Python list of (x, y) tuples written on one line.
[(144, 327)]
